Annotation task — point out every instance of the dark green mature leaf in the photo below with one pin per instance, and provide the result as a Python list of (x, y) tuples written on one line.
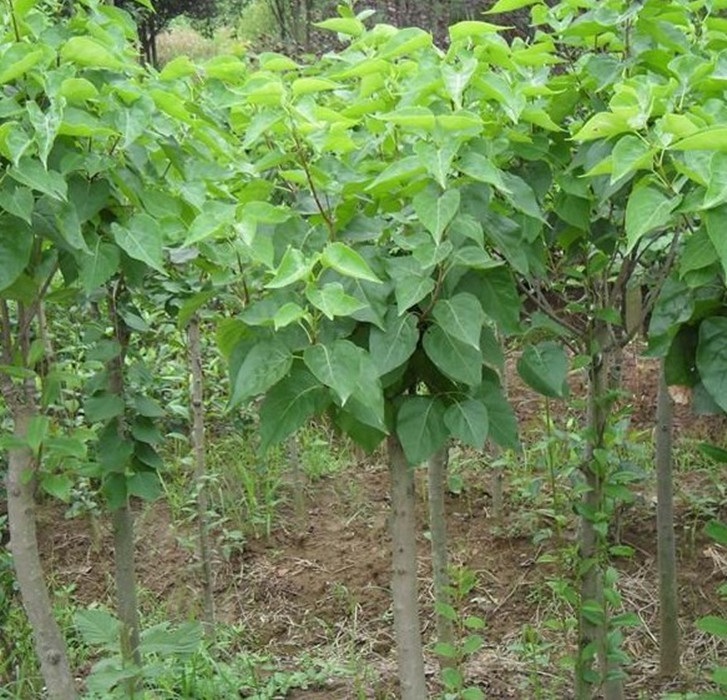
[(17, 200), (421, 428), (461, 362), (99, 266), (498, 296), (289, 404), (411, 282), (336, 365), (544, 367), (145, 485), (712, 358), (31, 173), (16, 244), (461, 316), (467, 421), (141, 239), (674, 306), (392, 347), (502, 421), (103, 407), (264, 365), (435, 213)]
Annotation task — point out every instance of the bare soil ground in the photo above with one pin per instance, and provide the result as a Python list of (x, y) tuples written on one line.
[(320, 585)]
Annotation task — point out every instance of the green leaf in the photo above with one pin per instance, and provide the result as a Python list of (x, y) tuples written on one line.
[(18, 59), (97, 268), (141, 239), (16, 245), (461, 316), (716, 220), (287, 314), (420, 427), (405, 169), (435, 213), (471, 28), (716, 193), (630, 154), (145, 485), (510, 5), (459, 361), (98, 628), (647, 210), (31, 173), (307, 86), (604, 125), (293, 268), (89, 53), (347, 262), (467, 421), (544, 367), (411, 282), (393, 346), (501, 418), (480, 168), (712, 358), (336, 365), (715, 529), (57, 485), (103, 407), (37, 432), (333, 301), (17, 200), (713, 625), (179, 67), (264, 365), (147, 407), (289, 404), (713, 138), (342, 25)]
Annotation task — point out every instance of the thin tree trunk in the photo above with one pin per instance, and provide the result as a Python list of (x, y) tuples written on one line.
[(404, 576), (200, 471), (49, 643), (299, 498), (666, 549), (593, 633), (440, 561), (122, 520)]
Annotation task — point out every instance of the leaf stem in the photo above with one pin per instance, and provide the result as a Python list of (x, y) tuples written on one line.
[(14, 20)]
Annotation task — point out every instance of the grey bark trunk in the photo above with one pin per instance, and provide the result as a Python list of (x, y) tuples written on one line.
[(592, 633), (200, 472), (440, 559), (404, 576), (666, 548), (49, 643)]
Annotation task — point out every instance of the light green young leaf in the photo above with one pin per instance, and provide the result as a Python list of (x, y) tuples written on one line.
[(510, 5), (629, 154), (435, 213), (31, 173), (469, 29), (392, 347), (713, 138), (333, 301), (18, 59), (264, 365), (287, 314), (342, 25), (714, 625), (87, 52), (467, 421), (461, 316), (647, 210), (293, 268), (716, 193), (420, 427), (347, 262), (604, 125)]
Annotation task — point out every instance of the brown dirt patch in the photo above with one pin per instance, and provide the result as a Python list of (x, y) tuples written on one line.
[(321, 584)]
